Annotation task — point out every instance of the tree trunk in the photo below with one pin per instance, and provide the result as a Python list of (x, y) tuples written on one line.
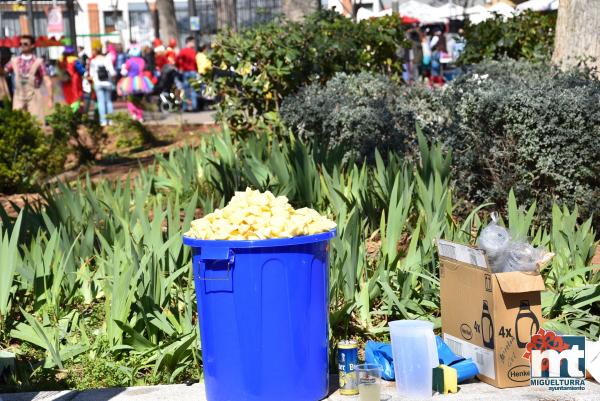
[(295, 10), (227, 14), (166, 20), (154, 13), (577, 28)]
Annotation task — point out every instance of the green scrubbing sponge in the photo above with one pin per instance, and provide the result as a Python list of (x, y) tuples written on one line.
[(445, 379)]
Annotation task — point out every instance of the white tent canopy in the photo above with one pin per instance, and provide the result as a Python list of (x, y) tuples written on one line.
[(418, 10), (423, 12), (502, 9), (383, 13), (476, 10), (450, 11), (429, 14), (538, 5), (478, 14)]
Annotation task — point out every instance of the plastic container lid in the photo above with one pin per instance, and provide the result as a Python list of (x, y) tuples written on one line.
[(269, 242)]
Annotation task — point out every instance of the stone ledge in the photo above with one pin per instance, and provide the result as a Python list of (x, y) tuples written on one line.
[(181, 392)]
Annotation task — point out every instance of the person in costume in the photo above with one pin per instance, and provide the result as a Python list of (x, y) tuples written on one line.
[(111, 52), (160, 55), (171, 52), (71, 76), (29, 72), (135, 84)]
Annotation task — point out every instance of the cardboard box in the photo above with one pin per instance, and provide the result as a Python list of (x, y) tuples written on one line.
[(487, 316)]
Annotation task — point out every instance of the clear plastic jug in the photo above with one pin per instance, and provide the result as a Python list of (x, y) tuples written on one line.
[(415, 355)]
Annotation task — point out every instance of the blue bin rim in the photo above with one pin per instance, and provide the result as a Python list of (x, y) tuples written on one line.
[(259, 243)]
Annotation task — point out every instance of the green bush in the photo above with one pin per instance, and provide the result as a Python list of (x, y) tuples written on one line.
[(352, 114), (26, 153), (268, 62), (130, 133), (528, 35), (355, 114), (510, 124), (66, 124), (528, 127)]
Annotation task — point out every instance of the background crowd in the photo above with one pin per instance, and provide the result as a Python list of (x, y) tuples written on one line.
[(138, 72), (432, 54), (110, 71)]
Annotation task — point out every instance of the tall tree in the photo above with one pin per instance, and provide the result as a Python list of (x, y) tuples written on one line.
[(577, 30), (295, 10), (166, 19), (227, 14)]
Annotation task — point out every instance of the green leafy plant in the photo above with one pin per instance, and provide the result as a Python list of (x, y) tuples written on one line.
[(11, 259), (103, 279), (526, 127), (130, 133), (528, 35), (66, 125), (27, 155), (262, 65), (351, 115)]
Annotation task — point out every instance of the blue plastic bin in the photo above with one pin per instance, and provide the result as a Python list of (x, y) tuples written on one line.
[(263, 310)]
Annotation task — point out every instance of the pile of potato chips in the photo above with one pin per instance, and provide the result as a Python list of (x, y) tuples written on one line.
[(252, 215)]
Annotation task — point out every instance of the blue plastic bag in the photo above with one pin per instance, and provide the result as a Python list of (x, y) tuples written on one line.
[(380, 354), (465, 368)]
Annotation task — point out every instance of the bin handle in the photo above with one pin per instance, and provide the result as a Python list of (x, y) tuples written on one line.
[(216, 254), (213, 253)]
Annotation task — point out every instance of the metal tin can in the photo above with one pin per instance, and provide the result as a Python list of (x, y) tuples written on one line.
[(347, 361)]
